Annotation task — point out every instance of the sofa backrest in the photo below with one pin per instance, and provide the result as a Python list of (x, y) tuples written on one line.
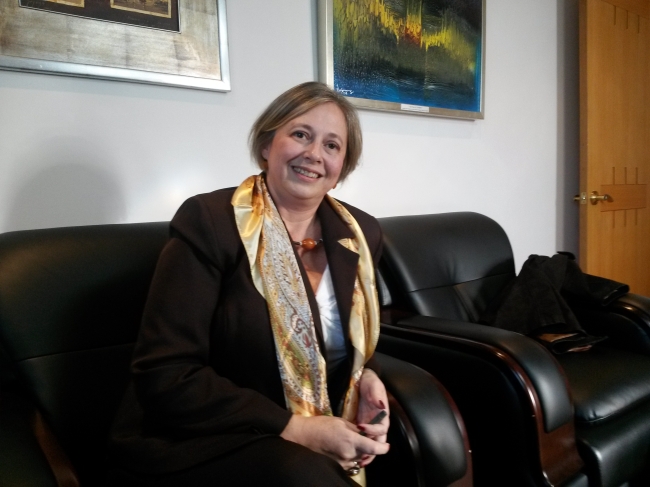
[(448, 265), (71, 301)]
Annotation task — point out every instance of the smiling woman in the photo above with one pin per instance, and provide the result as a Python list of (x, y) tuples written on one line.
[(305, 158), (296, 102), (271, 375)]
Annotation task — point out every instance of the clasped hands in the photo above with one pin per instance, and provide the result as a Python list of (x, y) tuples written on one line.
[(341, 440)]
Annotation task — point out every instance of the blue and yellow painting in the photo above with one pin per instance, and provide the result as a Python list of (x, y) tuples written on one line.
[(416, 52)]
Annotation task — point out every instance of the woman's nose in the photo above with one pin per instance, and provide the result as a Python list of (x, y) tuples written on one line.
[(314, 152)]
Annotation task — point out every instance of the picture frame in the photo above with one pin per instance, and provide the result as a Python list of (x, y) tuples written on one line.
[(62, 44), (424, 57)]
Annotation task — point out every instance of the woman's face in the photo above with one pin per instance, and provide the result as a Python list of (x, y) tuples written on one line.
[(305, 157)]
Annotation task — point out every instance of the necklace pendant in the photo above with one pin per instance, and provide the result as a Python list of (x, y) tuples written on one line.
[(308, 244)]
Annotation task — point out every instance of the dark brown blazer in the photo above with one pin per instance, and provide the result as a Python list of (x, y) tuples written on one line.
[(205, 373)]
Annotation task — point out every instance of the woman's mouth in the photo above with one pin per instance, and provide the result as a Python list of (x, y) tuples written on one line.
[(305, 172)]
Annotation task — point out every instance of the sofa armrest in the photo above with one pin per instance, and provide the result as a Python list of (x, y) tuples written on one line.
[(539, 365), (640, 305), (626, 322), (511, 391), (438, 438), (22, 461)]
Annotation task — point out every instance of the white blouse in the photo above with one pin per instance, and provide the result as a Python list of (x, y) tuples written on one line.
[(330, 321)]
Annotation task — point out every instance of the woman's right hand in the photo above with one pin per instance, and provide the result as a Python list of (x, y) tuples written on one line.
[(334, 437)]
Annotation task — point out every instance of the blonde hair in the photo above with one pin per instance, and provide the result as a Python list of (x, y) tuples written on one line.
[(295, 102)]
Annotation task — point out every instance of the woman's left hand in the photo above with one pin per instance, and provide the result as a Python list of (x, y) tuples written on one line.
[(372, 400)]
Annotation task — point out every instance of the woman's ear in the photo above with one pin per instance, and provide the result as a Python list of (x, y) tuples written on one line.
[(265, 152)]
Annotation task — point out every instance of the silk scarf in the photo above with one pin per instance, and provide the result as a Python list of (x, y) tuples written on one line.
[(277, 277)]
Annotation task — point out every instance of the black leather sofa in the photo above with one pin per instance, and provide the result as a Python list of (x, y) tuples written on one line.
[(70, 307), (533, 418)]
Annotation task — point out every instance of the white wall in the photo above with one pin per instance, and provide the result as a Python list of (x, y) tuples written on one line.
[(76, 151)]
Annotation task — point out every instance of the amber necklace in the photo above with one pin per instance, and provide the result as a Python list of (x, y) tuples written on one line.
[(308, 243)]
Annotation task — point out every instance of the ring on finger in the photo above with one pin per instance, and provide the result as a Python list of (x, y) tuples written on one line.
[(354, 470)]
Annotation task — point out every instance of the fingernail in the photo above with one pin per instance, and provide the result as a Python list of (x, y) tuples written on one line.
[(365, 457), (361, 427), (381, 404)]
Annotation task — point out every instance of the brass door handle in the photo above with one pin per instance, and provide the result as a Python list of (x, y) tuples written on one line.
[(595, 197)]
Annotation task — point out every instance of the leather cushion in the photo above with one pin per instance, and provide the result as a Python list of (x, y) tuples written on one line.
[(463, 302), (59, 286), (449, 265), (606, 382), (61, 329), (22, 462), (618, 449), (78, 394), (445, 249)]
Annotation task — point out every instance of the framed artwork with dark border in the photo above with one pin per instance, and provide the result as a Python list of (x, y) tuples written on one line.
[(166, 42), (412, 56)]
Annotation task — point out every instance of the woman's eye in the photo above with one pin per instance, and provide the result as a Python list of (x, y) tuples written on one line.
[(300, 135), (332, 146)]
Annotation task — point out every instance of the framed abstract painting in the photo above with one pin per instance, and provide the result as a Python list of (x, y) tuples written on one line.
[(415, 56), (166, 42)]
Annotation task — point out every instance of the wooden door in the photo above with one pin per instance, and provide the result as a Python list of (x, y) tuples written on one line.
[(614, 142)]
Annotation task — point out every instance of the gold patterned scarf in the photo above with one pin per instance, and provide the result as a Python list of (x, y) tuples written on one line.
[(277, 277)]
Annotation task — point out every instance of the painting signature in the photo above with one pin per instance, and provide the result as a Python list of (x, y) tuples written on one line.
[(345, 92)]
